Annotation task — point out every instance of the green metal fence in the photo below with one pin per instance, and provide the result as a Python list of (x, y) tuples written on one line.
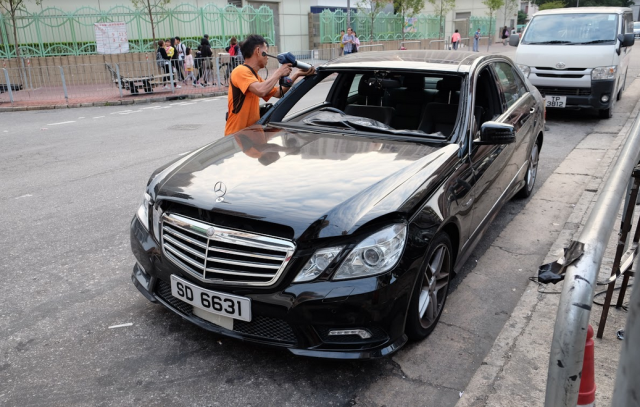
[(386, 26), (54, 32), (483, 24)]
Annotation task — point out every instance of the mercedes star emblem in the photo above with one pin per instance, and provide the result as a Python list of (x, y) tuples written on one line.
[(220, 189), (561, 65)]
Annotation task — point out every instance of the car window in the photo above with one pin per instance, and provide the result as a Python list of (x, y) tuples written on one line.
[(353, 90), (315, 98), (628, 24), (510, 83)]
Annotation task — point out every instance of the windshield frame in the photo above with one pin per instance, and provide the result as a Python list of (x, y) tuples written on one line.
[(595, 33)]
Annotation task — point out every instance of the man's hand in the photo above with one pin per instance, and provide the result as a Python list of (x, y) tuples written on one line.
[(283, 70), (299, 72)]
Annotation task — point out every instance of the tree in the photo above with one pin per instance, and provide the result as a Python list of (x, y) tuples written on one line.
[(552, 4), (371, 8), (407, 8), (509, 7), (12, 7), (522, 17), (150, 6), (492, 5), (441, 8)]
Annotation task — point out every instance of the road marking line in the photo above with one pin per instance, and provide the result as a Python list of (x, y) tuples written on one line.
[(55, 124), (98, 117), (24, 196), (121, 325)]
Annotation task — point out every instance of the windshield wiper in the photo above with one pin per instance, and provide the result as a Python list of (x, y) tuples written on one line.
[(593, 42), (549, 42)]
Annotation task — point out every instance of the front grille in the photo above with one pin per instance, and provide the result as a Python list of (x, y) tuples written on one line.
[(260, 326), (548, 90), (266, 327), (223, 256), (545, 68), (553, 75)]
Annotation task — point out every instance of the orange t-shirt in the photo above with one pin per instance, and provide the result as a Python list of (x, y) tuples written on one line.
[(455, 37), (243, 105)]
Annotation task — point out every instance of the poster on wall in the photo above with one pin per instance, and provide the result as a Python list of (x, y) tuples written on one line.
[(111, 38), (410, 24)]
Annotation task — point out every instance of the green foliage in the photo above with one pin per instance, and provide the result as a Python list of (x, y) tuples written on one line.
[(522, 17), (552, 4), (407, 8), (441, 8), (371, 8), (492, 5), (149, 6)]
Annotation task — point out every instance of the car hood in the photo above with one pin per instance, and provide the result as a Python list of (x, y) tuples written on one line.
[(322, 184)]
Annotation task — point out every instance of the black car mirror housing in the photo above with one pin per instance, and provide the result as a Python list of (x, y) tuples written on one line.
[(494, 133), (514, 40), (626, 40)]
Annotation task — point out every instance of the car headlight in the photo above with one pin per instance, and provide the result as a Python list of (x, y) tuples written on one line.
[(526, 70), (317, 263), (143, 211), (374, 255), (604, 72)]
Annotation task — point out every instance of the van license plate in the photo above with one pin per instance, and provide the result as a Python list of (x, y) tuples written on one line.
[(556, 101)]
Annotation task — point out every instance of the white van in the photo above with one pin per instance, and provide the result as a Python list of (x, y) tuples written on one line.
[(577, 57)]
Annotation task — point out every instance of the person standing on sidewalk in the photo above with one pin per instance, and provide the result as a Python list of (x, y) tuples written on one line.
[(341, 43), (246, 87), (505, 35), (476, 41), (455, 39), (182, 53), (163, 60), (348, 41)]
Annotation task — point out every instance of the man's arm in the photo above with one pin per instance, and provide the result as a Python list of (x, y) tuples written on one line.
[(262, 89), (296, 75)]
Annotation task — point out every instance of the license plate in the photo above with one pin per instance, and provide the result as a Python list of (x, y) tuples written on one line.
[(211, 301), (556, 101)]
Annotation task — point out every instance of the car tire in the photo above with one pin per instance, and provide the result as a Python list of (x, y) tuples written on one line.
[(532, 172), (431, 289)]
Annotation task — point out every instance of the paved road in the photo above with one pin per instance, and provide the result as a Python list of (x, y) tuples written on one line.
[(71, 181)]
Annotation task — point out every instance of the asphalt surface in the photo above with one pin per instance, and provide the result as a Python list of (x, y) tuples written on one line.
[(71, 182)]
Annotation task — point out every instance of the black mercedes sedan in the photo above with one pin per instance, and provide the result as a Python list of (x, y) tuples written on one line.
[(333, 229)]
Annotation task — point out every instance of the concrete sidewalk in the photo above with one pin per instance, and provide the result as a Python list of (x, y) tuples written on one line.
[(514, 373)]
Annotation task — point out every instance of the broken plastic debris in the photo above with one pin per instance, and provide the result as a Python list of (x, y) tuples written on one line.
[(121, 325), (554, 272), (461, 393), (620, 334)]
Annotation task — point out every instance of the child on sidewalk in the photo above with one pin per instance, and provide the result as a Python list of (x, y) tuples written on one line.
[(188, 66)]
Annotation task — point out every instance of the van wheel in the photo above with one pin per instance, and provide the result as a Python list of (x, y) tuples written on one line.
[(624, 86), (606, 113)]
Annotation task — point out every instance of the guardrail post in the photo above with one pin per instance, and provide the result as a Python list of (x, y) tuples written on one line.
[(64, 85), (173, 89), (119, 80), (570, 329), (6, 76), (218, 71)]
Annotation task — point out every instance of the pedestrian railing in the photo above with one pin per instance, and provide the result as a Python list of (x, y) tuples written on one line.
[(439, 44), (574, 309), (411, 44), (372, 47)]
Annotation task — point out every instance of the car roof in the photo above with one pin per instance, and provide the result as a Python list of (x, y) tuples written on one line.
[(585, 10), (432, 60)]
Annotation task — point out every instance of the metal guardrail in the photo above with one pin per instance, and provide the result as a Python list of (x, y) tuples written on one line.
[(574, 309), (371, 46), (411, 42), (443, 42)]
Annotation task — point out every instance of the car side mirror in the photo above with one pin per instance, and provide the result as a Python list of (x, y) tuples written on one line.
[(626, 40), (514, 40), (493, 133)]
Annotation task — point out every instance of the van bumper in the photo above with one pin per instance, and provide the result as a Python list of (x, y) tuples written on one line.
[(584, 98)]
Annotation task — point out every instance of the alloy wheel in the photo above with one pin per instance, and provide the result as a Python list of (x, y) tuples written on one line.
[(434, 286)]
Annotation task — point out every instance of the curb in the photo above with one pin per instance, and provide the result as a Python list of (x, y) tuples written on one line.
[(485, 382), (171, 98)]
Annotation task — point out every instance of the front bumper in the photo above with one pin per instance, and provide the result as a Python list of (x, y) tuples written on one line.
[(581, 101), (297, 317)]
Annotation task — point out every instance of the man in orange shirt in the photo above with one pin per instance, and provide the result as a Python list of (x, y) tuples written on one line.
[(246, 87)]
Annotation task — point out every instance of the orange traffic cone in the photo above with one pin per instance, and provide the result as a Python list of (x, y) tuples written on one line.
[(587, 395)]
